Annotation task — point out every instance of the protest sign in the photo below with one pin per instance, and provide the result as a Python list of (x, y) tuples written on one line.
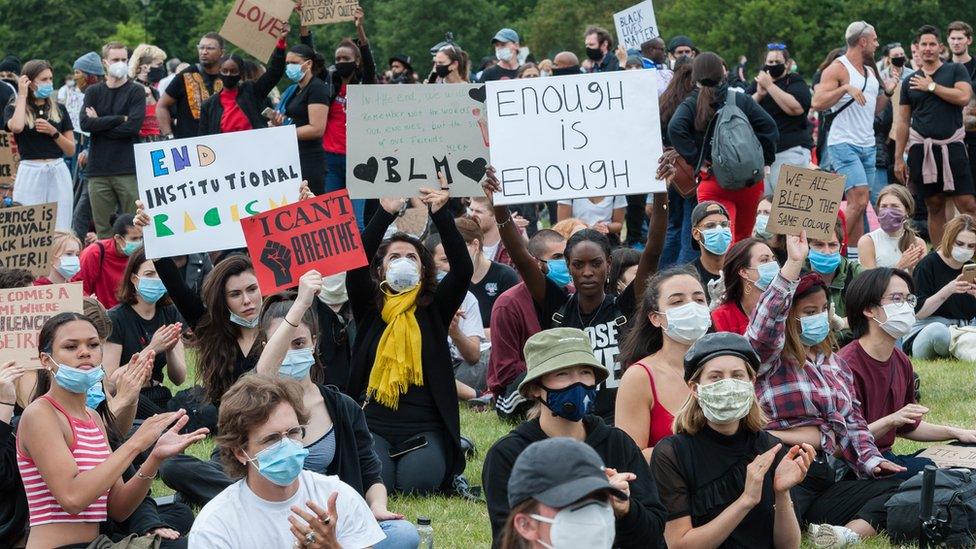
[(399, 137), (807, 200), (322, 12), (254, 25), (196, 190), (315, 234), (951, 456), (27, 237), (8, 158), (575, 136), (23, 311), (636, 25)]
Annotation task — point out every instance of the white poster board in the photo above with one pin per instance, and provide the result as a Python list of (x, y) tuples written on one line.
[(197, 190), (636, 25), (575, 136), (398, 137)]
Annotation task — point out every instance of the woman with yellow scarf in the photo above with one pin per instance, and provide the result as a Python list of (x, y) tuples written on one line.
[(401, 364)]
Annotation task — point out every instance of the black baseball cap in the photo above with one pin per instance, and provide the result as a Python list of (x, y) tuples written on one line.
[(557, 472), (718, 344), (703, 210)]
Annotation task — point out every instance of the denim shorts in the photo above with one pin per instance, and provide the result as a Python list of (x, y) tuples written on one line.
[(854, 162)]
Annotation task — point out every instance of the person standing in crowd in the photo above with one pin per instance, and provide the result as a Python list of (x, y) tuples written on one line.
[(103, 263), (492, 246), (711, 233), (691, 129), (959, 35), (490, 279), (401, 70), (43, 131), (146, 68), (724, 481), (852, 85), (88, 71), (895, 243), (450, 66), (623, 269), (561, 379), (506, 45), (65, 260), (9, 75), (307, 105), (786, 97), (276, 503), (678, 248), (528, 70), (750, 267), (894, 62), (654, 56), (672, 315), (113, 115), (178, 110), (681, 46), (930, 128), (882, 311), (73, 98), (560, 481), (565, 62), (599, 49), (944, 297), (604, 214)]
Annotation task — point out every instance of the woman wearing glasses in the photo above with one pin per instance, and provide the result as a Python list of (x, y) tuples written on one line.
[(786, 97), (882, 311)]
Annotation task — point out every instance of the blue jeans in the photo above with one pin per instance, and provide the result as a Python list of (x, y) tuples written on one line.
[(400, 534), (879, 182), (932, 342), (335, 179), (854, 162), (677, 240)]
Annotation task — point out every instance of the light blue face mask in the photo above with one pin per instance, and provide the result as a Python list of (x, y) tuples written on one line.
[(151, 289), (282, 462), (294, 72), (441, 275), (762, 220), (767, 272), (558, 272), (245, 323), (814, 329), (131, 247), (44, 91), (297, 363), (95, 396), (824, 263), (717, 240), (75, 380), (68, 266)]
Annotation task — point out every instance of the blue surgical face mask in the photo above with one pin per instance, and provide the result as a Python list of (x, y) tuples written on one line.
[(814, 329), (282, 462), (441, 275), (761, 221), (824, 263), (558, 272), (245, 323), (44, 91), (767, 272), (75, 380), (294, 72), (68, 266), (131, 246), (95, 396), (571, 402), (297, 363), (717, 240), (151, 289)]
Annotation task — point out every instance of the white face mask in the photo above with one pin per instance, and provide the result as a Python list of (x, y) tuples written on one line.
[(962, 255), (118, 70), (688, 322), (727, 400), (503, 54), (588, 524), (901, 318), (402, 274)]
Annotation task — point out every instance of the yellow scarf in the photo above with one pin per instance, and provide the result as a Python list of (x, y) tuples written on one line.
[(397, 363)]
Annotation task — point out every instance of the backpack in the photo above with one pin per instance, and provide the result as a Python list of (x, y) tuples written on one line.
[(737, 156), (954, 505)]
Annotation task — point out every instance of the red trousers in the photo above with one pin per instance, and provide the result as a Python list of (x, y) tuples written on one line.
[(741, 204)]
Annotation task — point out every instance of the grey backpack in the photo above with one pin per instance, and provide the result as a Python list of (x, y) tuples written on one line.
[(737, 156), (954, 505)]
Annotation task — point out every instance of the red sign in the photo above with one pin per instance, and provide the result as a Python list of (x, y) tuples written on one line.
[(316, 234)]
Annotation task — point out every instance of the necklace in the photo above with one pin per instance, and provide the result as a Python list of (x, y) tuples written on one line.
[(595, 313)]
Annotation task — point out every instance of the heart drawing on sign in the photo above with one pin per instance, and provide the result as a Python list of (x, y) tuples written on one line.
[(473, 169), (367, 170), (478, 94)]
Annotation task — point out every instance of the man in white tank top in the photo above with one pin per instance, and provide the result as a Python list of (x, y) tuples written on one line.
[(849, 86)]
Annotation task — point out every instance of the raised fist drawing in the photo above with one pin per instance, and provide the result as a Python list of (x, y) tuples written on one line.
[(277, 257)]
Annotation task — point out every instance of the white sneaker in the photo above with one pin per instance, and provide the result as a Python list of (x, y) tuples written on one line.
[(832, 537)]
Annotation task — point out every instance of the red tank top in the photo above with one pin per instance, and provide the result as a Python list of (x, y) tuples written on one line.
[(661, 418)]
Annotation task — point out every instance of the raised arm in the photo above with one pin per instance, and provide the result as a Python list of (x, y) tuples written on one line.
[(452, 289), (651, 256), (360, 286), (278, 344), (767, 327), (274, 72)]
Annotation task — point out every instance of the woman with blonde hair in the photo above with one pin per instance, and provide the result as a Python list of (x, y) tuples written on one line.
[(65, 262), (894, 244), (723, 479), (146, 68)]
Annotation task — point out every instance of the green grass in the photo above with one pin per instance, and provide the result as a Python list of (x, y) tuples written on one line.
[(948, 390)]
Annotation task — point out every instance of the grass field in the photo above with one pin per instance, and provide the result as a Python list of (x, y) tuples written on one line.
[(948, 390)]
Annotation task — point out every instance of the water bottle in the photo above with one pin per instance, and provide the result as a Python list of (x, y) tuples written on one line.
[(426, 533)]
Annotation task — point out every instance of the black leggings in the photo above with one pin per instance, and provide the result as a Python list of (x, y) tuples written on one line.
[(421, 471), (196, 481), (820, 500)]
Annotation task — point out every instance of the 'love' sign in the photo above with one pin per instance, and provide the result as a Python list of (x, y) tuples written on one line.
[(254, 25)]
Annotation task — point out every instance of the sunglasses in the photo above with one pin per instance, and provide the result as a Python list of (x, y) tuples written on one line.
[(775, 46)]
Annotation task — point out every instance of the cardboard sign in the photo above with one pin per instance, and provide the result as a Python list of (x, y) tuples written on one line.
[(9, 158), (196, 190), (951, 456), (319, 233), (399, 137), (807, 200), (254, 25), (27, 237), (575, 136), (23, 311), (322, 12), (636, 25)]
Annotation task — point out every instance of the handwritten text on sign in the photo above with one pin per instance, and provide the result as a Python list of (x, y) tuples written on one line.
[(636, 25), (27, 236), (254, 25), (399, 137), (321, 12), (319, 233), (574, 136), (23, 311), (197, 190), (806, 200), (951, 456), (8, 158)]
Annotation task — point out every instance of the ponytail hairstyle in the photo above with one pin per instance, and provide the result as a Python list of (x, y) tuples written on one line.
[(276, 307), (708, 70), (33, 69), (643, 338), (306, 52), (901, 193), (456, 54)]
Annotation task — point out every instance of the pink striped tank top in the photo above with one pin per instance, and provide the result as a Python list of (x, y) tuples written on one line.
[(89, 448)]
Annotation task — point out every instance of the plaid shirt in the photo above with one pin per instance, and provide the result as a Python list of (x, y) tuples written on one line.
[(820, 393)]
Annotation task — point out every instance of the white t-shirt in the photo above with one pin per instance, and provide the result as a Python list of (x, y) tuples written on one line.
[(72, 99), (470, 325), (586, 211), (237, 518)]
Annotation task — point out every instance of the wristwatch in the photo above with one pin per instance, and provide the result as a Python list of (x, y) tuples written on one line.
[(931, 87)]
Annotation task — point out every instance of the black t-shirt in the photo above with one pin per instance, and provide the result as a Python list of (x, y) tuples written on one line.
[(705, 276), (931, 275), (793, 130), (186, 124), (932, 116), (134, 333), (34, 145), (316, 91), (498, 279), (498, 72)]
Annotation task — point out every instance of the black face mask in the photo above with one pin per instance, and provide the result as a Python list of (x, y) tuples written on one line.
[(898, 62), (775, 70), (230, 80), (442, 70), (345, 68), (556, 71), (594, 54), (156, 74)]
